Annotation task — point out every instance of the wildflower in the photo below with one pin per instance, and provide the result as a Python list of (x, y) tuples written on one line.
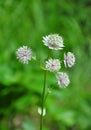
[(53, 41), (44, 111), (63, 79), (24, 54), (69, 59), (53, 65)]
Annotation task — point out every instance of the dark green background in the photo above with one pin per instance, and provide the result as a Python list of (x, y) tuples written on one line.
[(25, 22)]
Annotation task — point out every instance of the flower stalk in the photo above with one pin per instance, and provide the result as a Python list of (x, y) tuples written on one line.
[(42, 105)]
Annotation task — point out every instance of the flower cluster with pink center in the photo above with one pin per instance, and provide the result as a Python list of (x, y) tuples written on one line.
[(53, 41), (69, 59), (63, 79), (24, 54), (53, 65)]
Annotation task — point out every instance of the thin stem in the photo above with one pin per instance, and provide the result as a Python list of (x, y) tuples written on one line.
[(48, 92), (43, 97), (46, 97)]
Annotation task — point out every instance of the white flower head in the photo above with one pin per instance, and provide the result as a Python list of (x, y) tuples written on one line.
[(63, 79), (40, 111), (24, 54), (53, 41), (53, 65), (69, 59)]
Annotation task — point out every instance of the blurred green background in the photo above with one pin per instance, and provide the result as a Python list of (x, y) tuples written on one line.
[(25, 22)]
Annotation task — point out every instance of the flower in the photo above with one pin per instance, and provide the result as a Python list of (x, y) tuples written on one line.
[(53, 41), (69, 59), (53, 65), (44, 111), (63, 79), (24, 54)]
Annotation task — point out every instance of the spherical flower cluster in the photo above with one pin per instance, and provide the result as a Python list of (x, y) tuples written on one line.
[(69, 59), (53, 65), (24, 54), (63, 79), (53, 41)]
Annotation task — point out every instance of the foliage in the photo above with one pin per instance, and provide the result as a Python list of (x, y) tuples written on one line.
[(24, 22)]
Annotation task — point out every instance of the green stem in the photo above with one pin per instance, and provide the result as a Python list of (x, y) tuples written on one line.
[(43, 97)]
